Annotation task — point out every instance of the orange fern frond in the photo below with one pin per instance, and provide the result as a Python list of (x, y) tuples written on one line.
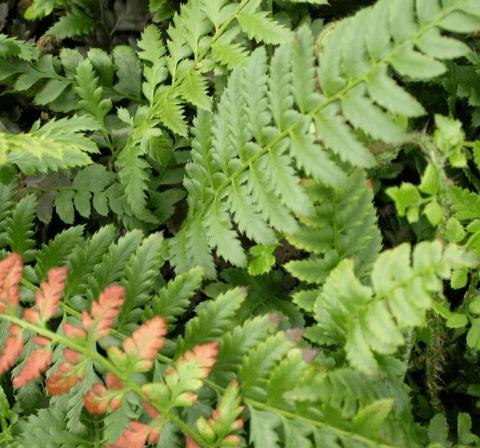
[(68, 374), (12, 349), (48, 297), (145, 342), (204, 356), (37, 363), (104, 311), (99, 399), (11, 269)]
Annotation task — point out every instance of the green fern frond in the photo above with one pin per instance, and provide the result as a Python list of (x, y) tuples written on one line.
[(111, 267), (58, 251), (7, 203), (12, 47), (370, 320), (353, 74), (58, 144), (71, 25), (259, 26), (141, 273), (173, 299), (344, 225), (84, 259), (212, 320), (90, 93), (20, 227), (50, 426)]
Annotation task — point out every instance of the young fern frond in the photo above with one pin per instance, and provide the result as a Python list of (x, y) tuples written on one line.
[(260, 135)]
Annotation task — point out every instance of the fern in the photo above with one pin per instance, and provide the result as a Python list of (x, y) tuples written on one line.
[(253, 176), (370, 321), (58, 144), (198, 245), (345, 217), (11, 47), (267, 360)]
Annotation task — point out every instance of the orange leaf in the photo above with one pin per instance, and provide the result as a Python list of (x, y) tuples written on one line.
[(48, 296), (151, 411), (34, 366), (12, 349), (113, 383), (136, 436), (11, 269), (66, 376), (146, 342), (96, 400), (204, 356), (99, 400), (104, 311), (73, 332)]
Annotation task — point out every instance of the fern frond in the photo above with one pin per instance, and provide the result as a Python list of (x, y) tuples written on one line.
[(58, 144), (259, 26), (370, 320), (111, 267), (7, 203), (90, 93), (84, 259), (71, 25), (58, 251), (20, 227), (211, 321), (353, 73), (344, 225), (12, 47), (173, 299), (141, 272)]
